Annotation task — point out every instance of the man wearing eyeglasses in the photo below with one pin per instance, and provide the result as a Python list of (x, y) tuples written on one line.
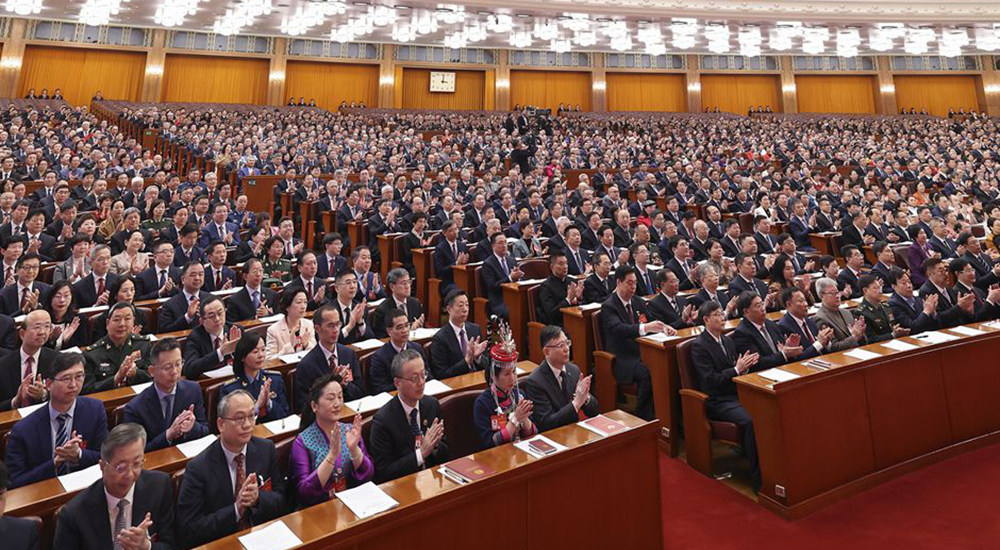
[(559, 394), (212, 343), (61, 437), (380, 374), (408, 432), (129, 508), (21, 372), (235, 483), (171, 410)]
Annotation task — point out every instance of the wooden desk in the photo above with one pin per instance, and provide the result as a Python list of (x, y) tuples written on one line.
[(824, 243), (431, 507), (515, 295), (578, 324), (831, 434)]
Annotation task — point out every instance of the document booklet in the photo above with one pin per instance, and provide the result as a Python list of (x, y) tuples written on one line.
[(367, 500), (466, 470), (603, 426)]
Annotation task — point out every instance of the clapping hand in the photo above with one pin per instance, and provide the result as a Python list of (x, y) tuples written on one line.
[(69, 452), (431, 439), (248, 494), (182, 424), (136, 538), (746, 361)]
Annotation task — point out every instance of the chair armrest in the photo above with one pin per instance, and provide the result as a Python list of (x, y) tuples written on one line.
[(479, 316), (697, 431), (605, 385), (433, 318), (534, 342)]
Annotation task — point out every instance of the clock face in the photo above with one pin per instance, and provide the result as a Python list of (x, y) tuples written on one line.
[(442, 81)]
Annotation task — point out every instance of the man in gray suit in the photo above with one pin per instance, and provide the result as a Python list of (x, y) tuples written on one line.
[(848, 332), (556, 388)]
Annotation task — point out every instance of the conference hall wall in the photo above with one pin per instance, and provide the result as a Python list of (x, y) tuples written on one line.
[(646, 92), (415, 91), (836, 94), (332, 83), (737, 93), (81, 72), (215, 79), (547, 89), (937, 94)]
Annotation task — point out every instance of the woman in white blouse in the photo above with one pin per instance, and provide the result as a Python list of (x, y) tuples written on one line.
[(293, 333)]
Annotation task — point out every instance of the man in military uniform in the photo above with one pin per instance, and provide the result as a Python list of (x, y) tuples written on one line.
[(119, 359), (878, 318)]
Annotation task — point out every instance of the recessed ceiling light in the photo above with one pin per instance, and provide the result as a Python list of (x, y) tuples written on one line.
[(523, 15)]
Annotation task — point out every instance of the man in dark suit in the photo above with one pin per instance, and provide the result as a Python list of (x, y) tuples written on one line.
[(27, 293), (456, 348), (331, 262), (577, 257), (138, 503), (951, 309), (328, 356), (61, 437), (559, 394), (796, 321), (744, 280), (759, 335), (854, 233), (221, 492), (161, 279), (448, 252), (986, 306), (253, 300), (668, 306), (987, 272), (17, 533), (399, 282), (219, 229), (356, 327), (88, 290), (851, 273), (798, 226), (380, 373), (623, 320), (171, 410), (497, 269), (38, 242), (187, 249), (716, 363), (313, 286), (180, 312), (680, 264), (407, 432), (22, 371), (211, 344), (884, 262), (218, 276), (598, 286), (909, 311), (557, 291)]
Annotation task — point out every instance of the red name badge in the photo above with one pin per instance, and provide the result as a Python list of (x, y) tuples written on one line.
[(497, 422), (266, 486), (416, 442)]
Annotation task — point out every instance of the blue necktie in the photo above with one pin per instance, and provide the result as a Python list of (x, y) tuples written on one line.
[(62, 435), (414, 426)]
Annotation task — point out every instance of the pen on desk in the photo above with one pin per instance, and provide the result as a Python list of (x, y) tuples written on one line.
[(452, 477)]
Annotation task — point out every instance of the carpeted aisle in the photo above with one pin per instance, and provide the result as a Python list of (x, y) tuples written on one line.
[(951, 505)]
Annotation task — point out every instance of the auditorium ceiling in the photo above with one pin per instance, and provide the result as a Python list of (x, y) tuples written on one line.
[(828, 27)]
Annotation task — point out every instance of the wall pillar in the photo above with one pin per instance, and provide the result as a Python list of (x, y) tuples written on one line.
[(989, 92), (10, 60), (886, 104), (276, 73), (502, 88), (693, 81), (598, 85), (156, 58), (387, 78), (789, 92)]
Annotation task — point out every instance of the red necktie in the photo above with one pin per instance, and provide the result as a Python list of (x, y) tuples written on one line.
[(24, 298), (29, 372), (309, 286), (218, 280), (100, 286)]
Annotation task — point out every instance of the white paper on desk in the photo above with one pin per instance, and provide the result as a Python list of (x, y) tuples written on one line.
[(935, 337), (423, 333), (293, 357), (992, 324), (898, 345), (192, 449), (25, 411), (139, 388), (862, 354), (270, 319), (367, 500), (662, 337), (365, 345), (286, 424), (220, 372), (376, 303), (966, 331), (588, 307), (778, 375), (92, 309), (435, 387), (369, 403), (519, 371), (531, 281), (276, 536), (74, 349), (80, 480), (523, 445), (812, 310)]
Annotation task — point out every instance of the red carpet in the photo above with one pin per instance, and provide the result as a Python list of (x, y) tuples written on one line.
[(951, 505)]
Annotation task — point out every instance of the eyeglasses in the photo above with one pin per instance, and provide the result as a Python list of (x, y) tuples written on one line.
[(177, 365), (565, 344), (215, 314), (416, 378), (78, 378), (242, 420), (124, 467)]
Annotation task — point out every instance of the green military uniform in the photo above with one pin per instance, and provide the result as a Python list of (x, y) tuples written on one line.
[(157, 225), (272, 268), (878, 320), (103, 358)]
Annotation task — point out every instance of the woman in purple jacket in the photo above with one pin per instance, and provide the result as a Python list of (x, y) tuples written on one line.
[(328, 455)]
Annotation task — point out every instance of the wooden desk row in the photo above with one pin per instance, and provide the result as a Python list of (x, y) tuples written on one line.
[(43, 498), (827, 435), (528, 497)]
